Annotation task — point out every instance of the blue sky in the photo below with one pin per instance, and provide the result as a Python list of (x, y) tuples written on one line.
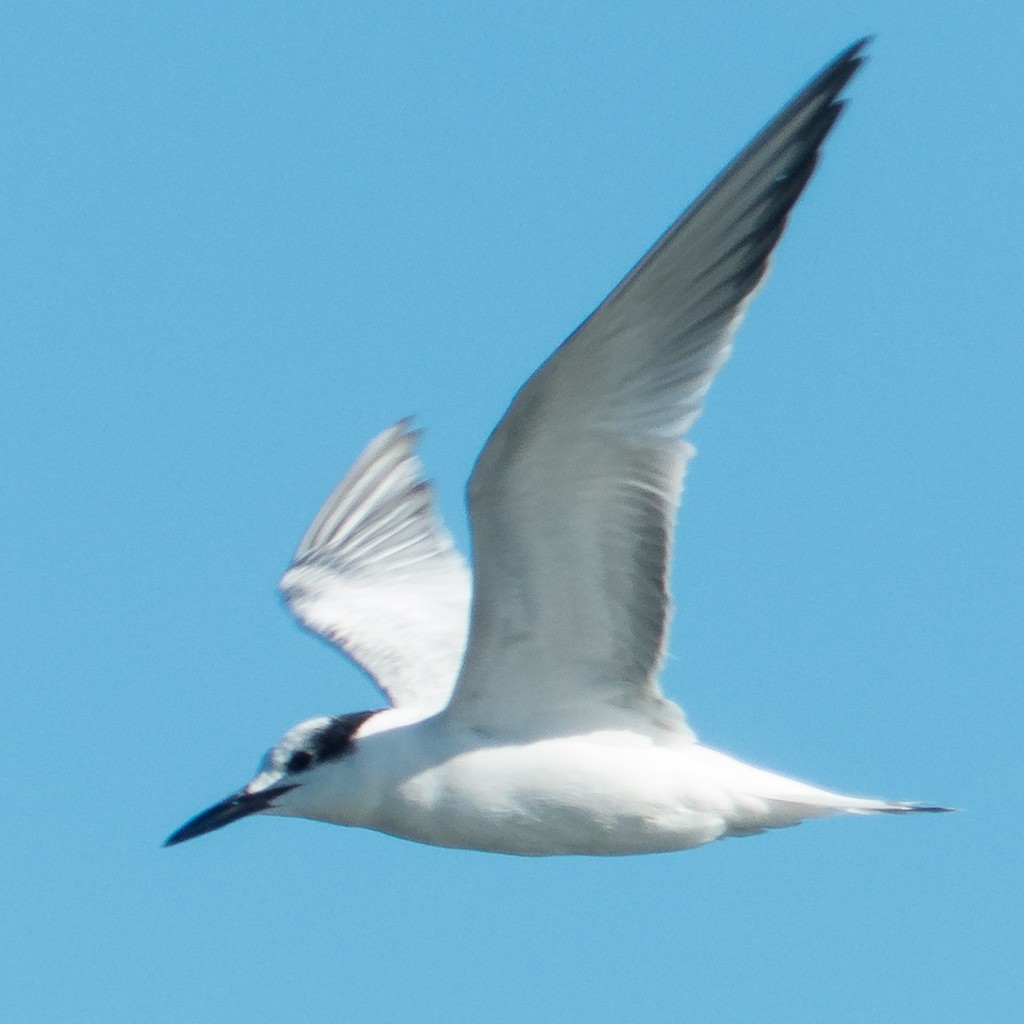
[(239, 239)]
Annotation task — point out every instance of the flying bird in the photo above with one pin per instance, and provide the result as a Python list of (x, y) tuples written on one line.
[(525, 715)]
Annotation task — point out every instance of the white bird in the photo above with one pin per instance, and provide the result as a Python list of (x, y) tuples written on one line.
[(525, 714)]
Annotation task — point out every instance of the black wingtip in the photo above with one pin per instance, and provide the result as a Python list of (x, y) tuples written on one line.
[(853, 55), (834, 76), (854, 49)]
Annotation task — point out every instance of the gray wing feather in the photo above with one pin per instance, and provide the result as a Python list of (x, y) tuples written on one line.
[(377, 576), (573, 499)]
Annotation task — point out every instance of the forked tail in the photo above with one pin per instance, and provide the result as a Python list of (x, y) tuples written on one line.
[(892, 807)]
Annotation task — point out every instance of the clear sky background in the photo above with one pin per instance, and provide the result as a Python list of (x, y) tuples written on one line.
[(240, 239)]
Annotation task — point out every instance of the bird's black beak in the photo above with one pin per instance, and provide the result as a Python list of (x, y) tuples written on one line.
[(238, 805)]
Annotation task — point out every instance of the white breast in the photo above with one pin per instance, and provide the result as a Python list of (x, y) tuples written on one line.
[(603, 793)]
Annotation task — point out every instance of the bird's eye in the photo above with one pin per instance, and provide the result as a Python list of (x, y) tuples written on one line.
[(299, 761)]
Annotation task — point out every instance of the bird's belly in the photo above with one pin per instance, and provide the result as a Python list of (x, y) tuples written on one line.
[(556, 797)]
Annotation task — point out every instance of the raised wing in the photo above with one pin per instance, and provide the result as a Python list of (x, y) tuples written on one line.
[(377, 576), (572, 501)]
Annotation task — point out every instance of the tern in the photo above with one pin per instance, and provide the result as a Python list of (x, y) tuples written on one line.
[(525, 715)]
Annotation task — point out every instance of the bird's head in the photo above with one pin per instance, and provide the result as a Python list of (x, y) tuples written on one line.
[(299, 760)]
